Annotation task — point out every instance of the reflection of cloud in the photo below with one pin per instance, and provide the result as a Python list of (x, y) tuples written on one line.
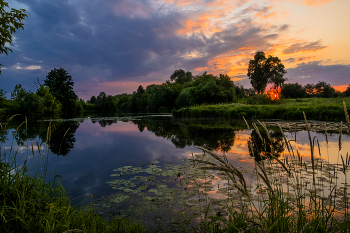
[(304, 47)]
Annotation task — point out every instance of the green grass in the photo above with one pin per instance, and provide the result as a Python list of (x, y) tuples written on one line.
[(30, 204), (323, 109)]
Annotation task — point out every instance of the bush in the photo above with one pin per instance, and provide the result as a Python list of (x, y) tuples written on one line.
[(293, 90)]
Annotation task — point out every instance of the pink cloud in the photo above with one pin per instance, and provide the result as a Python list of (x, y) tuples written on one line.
[(315, 2), (133, 9)]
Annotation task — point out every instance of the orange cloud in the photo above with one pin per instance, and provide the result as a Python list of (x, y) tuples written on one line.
[(315, 2)]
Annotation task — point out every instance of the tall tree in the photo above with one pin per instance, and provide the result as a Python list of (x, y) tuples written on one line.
[(180, 76), (61, 87), (10, 22), (277, 81), (262, 69)]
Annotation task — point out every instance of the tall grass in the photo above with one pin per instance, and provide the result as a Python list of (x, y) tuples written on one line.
[(32, 204), (280, 209)]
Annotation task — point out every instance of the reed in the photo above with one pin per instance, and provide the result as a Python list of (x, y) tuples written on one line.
[(305, 210)]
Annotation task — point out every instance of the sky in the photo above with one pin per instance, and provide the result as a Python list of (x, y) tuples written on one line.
[(116, 45)]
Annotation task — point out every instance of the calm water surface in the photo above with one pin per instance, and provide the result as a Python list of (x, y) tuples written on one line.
[(84, 152)]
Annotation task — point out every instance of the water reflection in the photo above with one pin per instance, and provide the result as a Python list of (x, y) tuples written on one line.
[(219, 136), (92, 148), (261, 147), (61, 134)]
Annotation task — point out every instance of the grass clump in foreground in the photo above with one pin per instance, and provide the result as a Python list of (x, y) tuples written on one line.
[(29, 204)]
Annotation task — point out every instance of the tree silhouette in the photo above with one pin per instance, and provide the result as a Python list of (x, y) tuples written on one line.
[(261, 70), (61, 87)]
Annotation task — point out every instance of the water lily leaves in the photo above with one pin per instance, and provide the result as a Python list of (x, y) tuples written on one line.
[(119, 198)]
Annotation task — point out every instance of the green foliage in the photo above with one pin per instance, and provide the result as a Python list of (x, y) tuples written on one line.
[(293, 90), (18, 93), (180, 76), (347, 91), (140, 90), (2, 97), (259, 99), (261, 70), (315, 109), (321, 89), (207, 89), (10, 22), (61, 87), (93, 99), (161, 97), (51, 106)]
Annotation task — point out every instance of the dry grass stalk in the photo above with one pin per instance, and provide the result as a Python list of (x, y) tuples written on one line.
[(257, 131), (37, 143), (48, 133), (340, 133), (226, 167), (33, 149), (74, 230), (319, 148), (284, 136), (347, 116), (217, 157), (246, 123), (325, 130)]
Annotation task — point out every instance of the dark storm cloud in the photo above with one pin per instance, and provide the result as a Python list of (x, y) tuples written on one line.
[(304, 47), (230, 41), (119, 40), (313, 72)]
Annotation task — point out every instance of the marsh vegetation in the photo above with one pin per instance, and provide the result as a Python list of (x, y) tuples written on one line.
[(242, 176)]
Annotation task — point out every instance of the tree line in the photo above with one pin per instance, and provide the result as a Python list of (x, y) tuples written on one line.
[(54, 96), (181, 90)]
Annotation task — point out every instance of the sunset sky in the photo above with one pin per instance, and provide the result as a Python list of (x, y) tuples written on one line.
[(116, 45)]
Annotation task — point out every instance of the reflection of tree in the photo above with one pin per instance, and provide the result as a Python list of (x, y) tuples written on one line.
[(104, 123), (191, 133), (259, 148), (215, 138), (60, 142), (63, 137)]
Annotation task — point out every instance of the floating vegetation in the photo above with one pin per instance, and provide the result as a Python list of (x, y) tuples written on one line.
[(293, 193)]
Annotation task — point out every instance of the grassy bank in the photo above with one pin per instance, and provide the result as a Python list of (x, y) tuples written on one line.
[(31, 204), (291, 109)]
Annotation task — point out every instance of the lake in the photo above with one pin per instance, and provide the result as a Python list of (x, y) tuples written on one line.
[(86, 153)]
